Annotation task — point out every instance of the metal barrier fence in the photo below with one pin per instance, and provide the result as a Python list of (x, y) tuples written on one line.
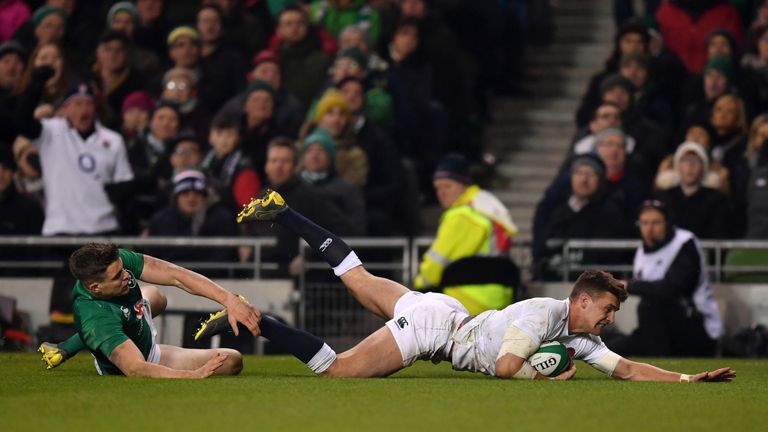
[(714, 249), (322, 304)]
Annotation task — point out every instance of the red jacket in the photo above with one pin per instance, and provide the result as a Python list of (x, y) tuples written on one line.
[(687, 38)]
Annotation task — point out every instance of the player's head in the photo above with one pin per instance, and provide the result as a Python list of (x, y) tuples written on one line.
[(595, 299), (99, 268)]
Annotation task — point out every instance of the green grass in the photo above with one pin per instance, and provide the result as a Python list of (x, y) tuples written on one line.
[(279, 394)]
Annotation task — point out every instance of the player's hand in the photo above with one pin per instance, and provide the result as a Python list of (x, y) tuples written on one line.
[(210, 366), (568, 374), (719, 375), (239, 311)]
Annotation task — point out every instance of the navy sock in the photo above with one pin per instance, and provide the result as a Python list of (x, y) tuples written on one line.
[(328, 245), (300, 344)]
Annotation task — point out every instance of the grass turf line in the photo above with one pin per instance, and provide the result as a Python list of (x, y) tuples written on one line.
[(279, 393)]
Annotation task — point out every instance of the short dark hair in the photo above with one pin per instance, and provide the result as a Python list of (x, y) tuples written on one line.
[(224, 122), (89, 263), (284, 142), (596, 282)]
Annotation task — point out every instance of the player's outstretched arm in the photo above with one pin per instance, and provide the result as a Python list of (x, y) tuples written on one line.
[(636, 371), (129, 359), (162, 272)]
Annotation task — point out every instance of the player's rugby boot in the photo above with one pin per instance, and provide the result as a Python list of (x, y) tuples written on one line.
[(264, 208), (217, 323), (52, 355)]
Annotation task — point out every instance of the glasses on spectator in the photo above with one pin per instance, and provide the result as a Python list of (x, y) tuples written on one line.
[(176, 85)]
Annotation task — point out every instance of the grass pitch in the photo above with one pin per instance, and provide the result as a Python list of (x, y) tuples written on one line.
[(280, 394)]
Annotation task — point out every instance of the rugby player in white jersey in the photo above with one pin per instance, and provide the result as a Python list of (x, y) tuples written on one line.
[(438, 328)]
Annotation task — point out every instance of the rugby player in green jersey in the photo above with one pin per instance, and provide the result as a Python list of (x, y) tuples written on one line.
[(113, 316)]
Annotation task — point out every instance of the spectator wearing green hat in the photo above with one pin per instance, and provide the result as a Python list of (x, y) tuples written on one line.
[(334, 15), (701, 91), (318, 153), (124, 17)]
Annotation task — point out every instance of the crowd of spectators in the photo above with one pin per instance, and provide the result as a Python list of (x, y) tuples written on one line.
[(161, 117), (678, 114)]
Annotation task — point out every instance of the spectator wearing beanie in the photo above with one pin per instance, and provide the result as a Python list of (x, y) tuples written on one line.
[(190, 215), (289, 113), (475, 227), (135, 111), (701, 91), (693, 206), (124, 17), (317, 158), (334, 115)]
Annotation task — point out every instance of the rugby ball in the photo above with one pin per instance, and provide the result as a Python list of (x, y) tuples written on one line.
[(551, 359)]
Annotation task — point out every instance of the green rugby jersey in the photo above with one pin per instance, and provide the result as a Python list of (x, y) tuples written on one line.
[(104, 324)]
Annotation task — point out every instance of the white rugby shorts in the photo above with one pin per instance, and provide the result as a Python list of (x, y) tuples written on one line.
[(423, 324)]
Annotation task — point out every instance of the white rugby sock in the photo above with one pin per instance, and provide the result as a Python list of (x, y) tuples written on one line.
[(322, 360), (350, 261)]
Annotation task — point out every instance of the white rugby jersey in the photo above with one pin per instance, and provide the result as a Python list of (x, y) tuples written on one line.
[(477, 344), (74, 174)]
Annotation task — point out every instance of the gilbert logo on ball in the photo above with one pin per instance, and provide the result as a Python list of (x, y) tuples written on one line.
[(551, 359)]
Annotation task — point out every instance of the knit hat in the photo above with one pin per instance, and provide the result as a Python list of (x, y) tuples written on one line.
[(332, 98), (189, 179), (355, 54), (453, 166), (6, 156), (265, 56), (590, 160), (720, 63), (695, 148), (183, 31), (79, 88), (12, 46), (640, 58), (44, 11), (322, 137), (616, 80), (123, 6), (259, 85), (138, 99)]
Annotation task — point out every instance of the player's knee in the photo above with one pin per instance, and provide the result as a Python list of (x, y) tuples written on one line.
[(157, 300)]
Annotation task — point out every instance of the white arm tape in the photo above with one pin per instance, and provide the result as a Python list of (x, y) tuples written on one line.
[(526, 372), (518, 343), (607, 363)]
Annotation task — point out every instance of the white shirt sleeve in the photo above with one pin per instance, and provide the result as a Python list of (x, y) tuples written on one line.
[(593, 351)]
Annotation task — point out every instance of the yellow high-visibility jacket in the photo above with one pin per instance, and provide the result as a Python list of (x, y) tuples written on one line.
[(476, 224)]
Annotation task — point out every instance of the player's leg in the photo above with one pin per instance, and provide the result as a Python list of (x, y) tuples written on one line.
[(156, 298), (378, 295), (190, 359), (376, 356)]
